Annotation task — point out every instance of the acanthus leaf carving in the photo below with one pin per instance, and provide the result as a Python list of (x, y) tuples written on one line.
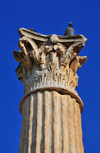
[(49, 59)]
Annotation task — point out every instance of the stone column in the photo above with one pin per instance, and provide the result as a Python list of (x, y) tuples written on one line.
[(51, 108)]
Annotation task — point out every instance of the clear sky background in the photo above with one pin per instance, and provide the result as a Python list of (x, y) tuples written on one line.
[(49, 17)]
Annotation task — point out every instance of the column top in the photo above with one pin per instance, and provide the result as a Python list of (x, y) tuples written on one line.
[(49, 61)]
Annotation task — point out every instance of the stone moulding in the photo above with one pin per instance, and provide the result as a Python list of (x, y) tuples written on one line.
[(40, 37), (60, 90)]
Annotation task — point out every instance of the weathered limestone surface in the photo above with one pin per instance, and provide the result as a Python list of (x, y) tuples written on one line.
[(51, 108), (51, 122)]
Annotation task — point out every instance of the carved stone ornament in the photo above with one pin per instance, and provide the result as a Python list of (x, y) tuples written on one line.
[(49, 61)]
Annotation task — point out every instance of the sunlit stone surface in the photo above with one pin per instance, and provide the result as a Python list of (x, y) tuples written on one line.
[(51, 108)]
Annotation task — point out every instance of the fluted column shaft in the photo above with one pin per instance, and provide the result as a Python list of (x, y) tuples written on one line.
[(51, 123)]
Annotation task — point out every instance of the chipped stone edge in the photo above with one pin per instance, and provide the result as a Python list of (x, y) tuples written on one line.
[(60, 90)]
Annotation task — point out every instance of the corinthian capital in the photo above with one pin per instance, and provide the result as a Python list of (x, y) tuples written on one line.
[(48, 61)]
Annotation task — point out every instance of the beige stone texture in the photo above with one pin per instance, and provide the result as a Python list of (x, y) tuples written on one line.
[(51, 122), (51, 108)]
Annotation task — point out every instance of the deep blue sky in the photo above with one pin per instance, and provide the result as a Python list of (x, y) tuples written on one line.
[(49, 17)]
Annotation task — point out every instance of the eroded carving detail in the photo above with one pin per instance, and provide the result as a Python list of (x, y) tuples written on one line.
[(47, 61)]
